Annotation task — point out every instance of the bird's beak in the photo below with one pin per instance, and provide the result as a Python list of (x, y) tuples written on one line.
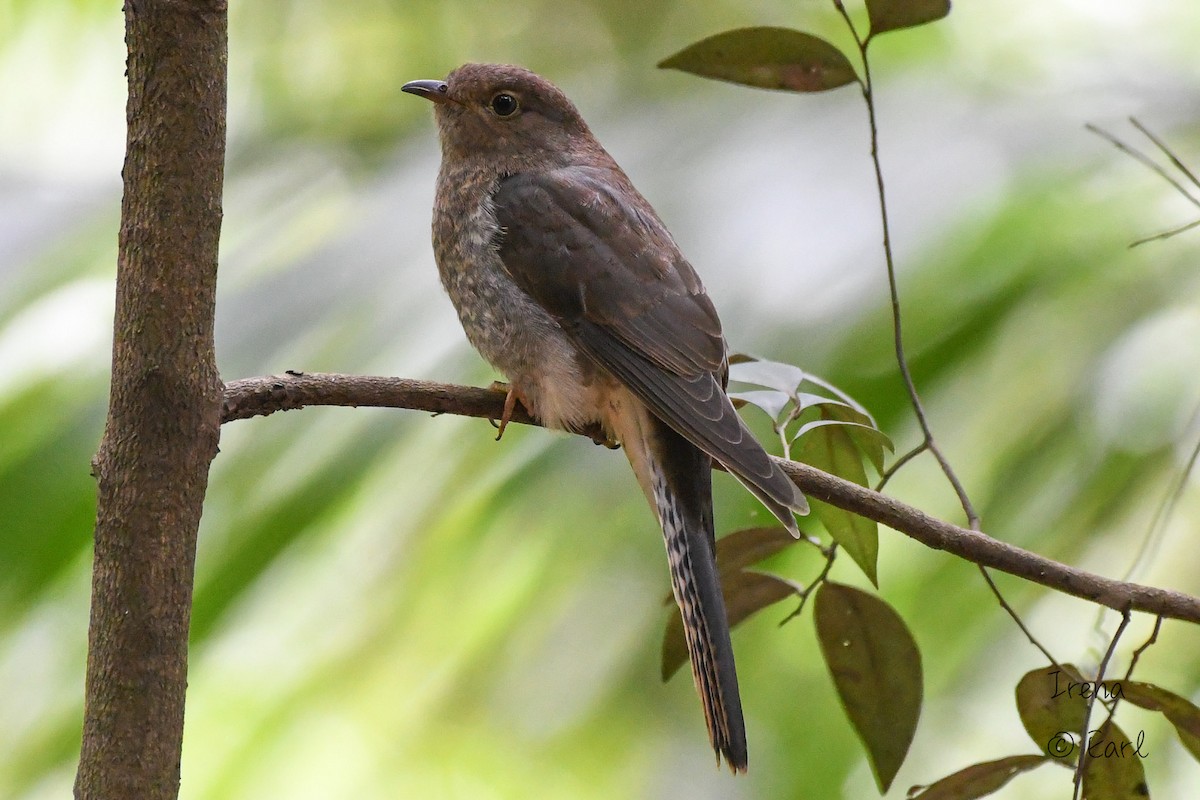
[(433, 91)]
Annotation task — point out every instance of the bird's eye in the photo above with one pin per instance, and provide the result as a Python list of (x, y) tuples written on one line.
[(504, 104)]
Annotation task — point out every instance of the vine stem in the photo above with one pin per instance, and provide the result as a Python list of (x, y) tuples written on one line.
[(1133, 661), (928, 442), (1081, 765), (987, 576)]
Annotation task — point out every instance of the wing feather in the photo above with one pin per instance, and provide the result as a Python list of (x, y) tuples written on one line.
[(584, 245)]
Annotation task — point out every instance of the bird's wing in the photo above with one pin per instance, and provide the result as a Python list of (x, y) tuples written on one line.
[(585, 246)]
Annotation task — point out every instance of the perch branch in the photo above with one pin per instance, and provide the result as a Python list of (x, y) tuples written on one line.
[(253, 397)]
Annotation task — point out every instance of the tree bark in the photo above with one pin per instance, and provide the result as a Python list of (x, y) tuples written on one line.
[(165, 400)]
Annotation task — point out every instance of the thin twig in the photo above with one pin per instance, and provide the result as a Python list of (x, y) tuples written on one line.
[(1167, 234), (897, 325), (1137, 654), (785, 442), (1133, 660), (1081, 765), (261, 396), (929, 443), (1162, 515), (830, 557), (987, 576), (1153, 165), (1167, 508), (1145, 160), (781, 427), (897, 464), (859, 42), (1166, 151)]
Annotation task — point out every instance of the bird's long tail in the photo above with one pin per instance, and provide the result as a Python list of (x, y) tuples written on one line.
[(677, 479)]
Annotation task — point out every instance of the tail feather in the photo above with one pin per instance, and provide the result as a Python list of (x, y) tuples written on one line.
[(697, 589), (677, 479)]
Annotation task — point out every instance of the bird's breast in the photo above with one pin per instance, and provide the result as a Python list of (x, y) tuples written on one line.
[(508, 328)]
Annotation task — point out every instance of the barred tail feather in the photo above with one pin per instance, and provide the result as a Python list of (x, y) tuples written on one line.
[(697, 589), (676, 477)]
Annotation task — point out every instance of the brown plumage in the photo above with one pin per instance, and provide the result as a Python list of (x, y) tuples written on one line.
[(566, 280)]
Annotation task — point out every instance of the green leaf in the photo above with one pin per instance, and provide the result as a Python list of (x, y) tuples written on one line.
[(855, 412), (768, 58), (830, 448), (862, 427), (1052, 706), (876, 669), (1114, 766), (864, 432), (977, 780), (892, 15), (1179, 712), (870, 440), (745, 593)]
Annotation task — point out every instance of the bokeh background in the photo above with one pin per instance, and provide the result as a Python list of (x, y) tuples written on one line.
[(391, 605)]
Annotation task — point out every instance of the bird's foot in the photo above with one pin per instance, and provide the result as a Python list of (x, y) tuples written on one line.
[(511, 398), (601, 438)]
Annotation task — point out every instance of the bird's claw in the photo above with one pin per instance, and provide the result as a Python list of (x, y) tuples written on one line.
[(510, 403), (603, 439), (512, 396)]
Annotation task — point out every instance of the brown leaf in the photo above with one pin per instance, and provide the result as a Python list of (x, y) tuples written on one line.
[(1114, 766), (876, 669), (1051, 704), (748, 592), (892, 15), (749, 546), (768, 58), (745, 548), (977, 780), (745, 593), (1179, 712)]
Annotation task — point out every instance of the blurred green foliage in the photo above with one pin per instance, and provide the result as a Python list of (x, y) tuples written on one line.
[(390, 605)]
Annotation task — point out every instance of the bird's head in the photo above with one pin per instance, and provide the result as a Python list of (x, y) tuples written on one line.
[(506, 114)]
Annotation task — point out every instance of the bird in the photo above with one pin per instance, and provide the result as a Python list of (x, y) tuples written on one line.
[(566, 280)]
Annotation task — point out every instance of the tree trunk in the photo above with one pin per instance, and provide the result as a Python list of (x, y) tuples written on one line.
[(165, 401)]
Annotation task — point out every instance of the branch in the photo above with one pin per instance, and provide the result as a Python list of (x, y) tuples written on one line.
[(253, 397), (258, 397)]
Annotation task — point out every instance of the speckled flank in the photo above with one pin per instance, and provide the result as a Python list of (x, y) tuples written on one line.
[(503, 323)]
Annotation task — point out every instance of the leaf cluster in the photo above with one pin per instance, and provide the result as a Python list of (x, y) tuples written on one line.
[(1053, 705), (872, 657)]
